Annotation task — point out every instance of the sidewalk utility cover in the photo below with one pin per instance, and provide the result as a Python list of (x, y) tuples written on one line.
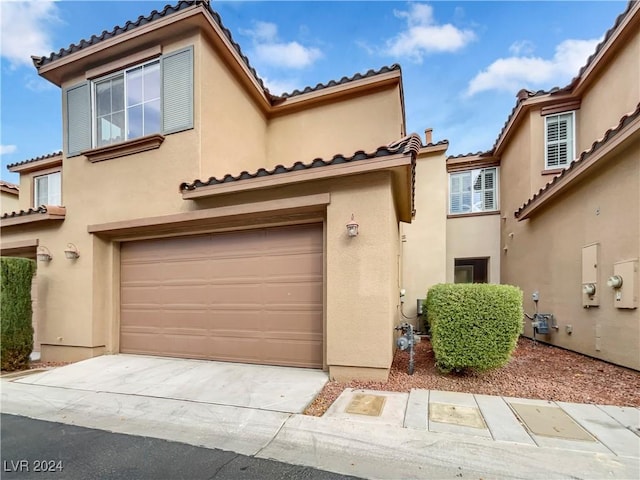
[(550, 422)]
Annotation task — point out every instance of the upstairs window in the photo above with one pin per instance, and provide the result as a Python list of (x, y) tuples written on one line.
[(473, 191), (47, 190), (151, 97), (127, 104), (559, 140)]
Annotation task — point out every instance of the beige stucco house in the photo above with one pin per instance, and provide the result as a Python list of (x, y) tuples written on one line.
[(201, 216)]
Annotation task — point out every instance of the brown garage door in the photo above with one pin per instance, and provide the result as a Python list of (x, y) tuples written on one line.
[(253, 296)]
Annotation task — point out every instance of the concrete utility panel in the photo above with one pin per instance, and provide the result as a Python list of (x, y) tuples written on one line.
[(362, 404), (550, 422), (456, 414)]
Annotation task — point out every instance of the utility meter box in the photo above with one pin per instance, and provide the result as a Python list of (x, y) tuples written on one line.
[(590, 267), (626, 295)]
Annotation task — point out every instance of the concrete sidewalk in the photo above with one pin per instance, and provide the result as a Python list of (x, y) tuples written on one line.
[(387, 435)]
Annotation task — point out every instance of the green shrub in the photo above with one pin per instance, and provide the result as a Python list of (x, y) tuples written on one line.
[(16, 342), (474, 326)]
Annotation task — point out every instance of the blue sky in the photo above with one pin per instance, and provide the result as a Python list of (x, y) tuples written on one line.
[(462, 62)]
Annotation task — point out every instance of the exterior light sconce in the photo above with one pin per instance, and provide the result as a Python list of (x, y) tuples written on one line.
[(43, 254), (71, 252), (352, 228), (615, 281)]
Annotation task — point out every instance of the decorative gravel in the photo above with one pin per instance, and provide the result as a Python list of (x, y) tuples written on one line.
[(536, 370)]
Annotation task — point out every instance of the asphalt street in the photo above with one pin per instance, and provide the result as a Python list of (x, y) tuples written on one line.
[(47, 450)]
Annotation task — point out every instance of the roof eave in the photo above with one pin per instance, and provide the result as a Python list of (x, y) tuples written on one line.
[(36, 164), (299, 176)]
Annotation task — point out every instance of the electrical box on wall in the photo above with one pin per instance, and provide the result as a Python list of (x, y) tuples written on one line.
[(590, 268), (624, 284)]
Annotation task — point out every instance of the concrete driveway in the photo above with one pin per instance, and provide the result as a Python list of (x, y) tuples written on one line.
[(277, 389)]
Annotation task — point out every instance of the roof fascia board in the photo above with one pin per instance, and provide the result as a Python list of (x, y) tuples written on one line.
[(10, 190), (608, 50), (196, 217), (336, 91), (30, 218), (297, 176), (42, 164), (569, 178)]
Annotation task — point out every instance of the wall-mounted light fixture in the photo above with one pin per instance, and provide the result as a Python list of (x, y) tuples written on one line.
[(43, 254), (352, 227), (71, 252)]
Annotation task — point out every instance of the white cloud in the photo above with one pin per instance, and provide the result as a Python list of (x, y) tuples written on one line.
[(24, 30), (278, 87), (7, 149), (513, 73), (270, 50), (423, 35), (522, 47)]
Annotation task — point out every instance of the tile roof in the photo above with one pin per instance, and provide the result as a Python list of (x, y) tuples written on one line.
[(486, 153), (343, 80), (609, 134), (182, 5), (524, 94), (36, 159), (32, 211), (9, 185), (409, 144)]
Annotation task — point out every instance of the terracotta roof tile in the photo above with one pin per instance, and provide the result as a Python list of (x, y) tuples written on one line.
[(10, 185), (409, 144), (343, 80), (36, 159), (486, 153), (22, 213), (609, 134)]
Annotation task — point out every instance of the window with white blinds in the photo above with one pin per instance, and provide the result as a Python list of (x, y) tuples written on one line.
[(47, 189), (473, 191), (559, 140)]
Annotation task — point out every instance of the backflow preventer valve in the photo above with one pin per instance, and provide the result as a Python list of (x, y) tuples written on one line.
[(407, 341)]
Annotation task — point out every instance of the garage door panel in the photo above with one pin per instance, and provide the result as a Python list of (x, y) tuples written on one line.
[(252, 296), (307, 324)]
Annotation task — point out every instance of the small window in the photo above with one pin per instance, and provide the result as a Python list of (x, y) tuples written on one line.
[(127, 104), (559, 140), (47, 190), (473, 191), (471, 270)]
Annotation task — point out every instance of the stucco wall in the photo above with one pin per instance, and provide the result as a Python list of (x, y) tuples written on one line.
[(9, 202), (474, 237), (362, 123), (616, 92), (234, 129), (424, 240), (545, 255), (362, 272)]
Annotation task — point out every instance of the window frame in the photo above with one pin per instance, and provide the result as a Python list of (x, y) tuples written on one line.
[(43, 174), (571, 142), (471, 173), (93, 83)]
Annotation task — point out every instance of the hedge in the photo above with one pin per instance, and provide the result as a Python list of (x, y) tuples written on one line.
[(16, 342), (474, 326)]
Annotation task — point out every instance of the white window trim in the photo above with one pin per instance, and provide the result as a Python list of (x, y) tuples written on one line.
[(35, 188), (496, 190), (572, 140), (94, 106)]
